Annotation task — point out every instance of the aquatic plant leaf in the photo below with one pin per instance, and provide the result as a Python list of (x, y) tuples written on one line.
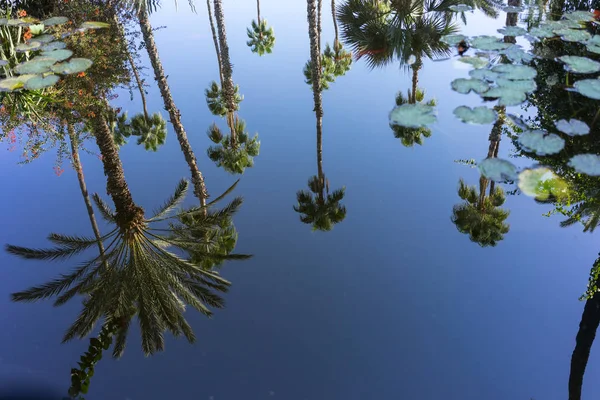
[(512, 31), (588, 164), (593, 48), (31, 46), (579, 16), (572, 127), (15, 22), (94, 25), (73, 66), (55, 21), (541, 142), (526, 86), (58, 55), (497, 169), (461, 8), (54, 46), (476, 62), (580, 65), (43, 38), (506, 96), (484, 74), (413, 115), (40, 82), (573, 35), (515, 72), (488, 43), (517, 54), (14, 83), (512, 9), (453, 40), (541, 33), (3, 21), (477, 115), (464, 86), (542, 183), (589, 88), (515, 119), (411, 60), (36, 65)]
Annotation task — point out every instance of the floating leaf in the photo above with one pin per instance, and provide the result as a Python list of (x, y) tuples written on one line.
[(497, 169), (512, 9), (476, 62), (14, 22), (506, 96), (541, 32), (526, 86), (572, 35), (542, 183), (411, 60), (37, 65), (541, 142), (75, 65), (589, 88), (14, 83), (3, 21), (461, 8), (572, 127), (453, 40), (580, 16), (23, 47), (464, 86), (94, 25), (55, 21), (40, 82), (477, 115), (515, 72), (54, 46), (413, 115), (58, 55), (517, 54), (517, 121), (593, 48), (580, 65), (483, 74), (512, 31), (44, 38), (488, 43), (588, 164)]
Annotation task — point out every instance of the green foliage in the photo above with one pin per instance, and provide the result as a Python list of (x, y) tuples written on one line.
[(593, 286), (333, 64), (233, 154), (320, 210), (216, 100), (151, 132), (262, 38)]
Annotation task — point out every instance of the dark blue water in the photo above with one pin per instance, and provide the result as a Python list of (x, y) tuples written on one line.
[(393, 303)]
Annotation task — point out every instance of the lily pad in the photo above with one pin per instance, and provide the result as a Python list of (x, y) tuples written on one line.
[(413, 115), (94, 25), (512, 31), (31, 46), (477, 115), (580, 16), (580, 65), (573, 35), (588, 88), (506, 96), (488, 43), (484, 74), (588, 164), (44, 38), (517, 54), (593, 48), (58, 55), (54, 46), (14, 83), (526, 86), (14, 22), (572, 127), (541, 142), (40, 82), (453, 40), (461, 8), (55, 21), (476, 62), (515, 72), (542, 33), (37, 65), (518, 121), (512, 9), (3, 21), (73, 66), (464, 86), (542, 183), (497, 169)]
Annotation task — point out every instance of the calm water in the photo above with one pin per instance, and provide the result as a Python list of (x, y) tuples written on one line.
[(393, 303)]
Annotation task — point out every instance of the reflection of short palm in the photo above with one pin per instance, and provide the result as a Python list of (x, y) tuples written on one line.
[(262, 38), (233, 155), (480, 216), (321, 211)]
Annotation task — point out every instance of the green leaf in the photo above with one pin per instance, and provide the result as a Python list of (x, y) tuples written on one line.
[(55, 21), (73, 66), (94, 25), (37, 65), (41, 82)]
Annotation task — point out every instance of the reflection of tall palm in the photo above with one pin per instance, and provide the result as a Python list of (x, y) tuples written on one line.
[(215, 40), (411, 136), (262, 38)]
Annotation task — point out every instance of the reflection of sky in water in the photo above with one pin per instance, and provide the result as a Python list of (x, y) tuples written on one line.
[(393, 303)]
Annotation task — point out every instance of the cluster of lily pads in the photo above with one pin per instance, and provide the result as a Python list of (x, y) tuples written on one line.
[(509, 84), (42, 58)]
